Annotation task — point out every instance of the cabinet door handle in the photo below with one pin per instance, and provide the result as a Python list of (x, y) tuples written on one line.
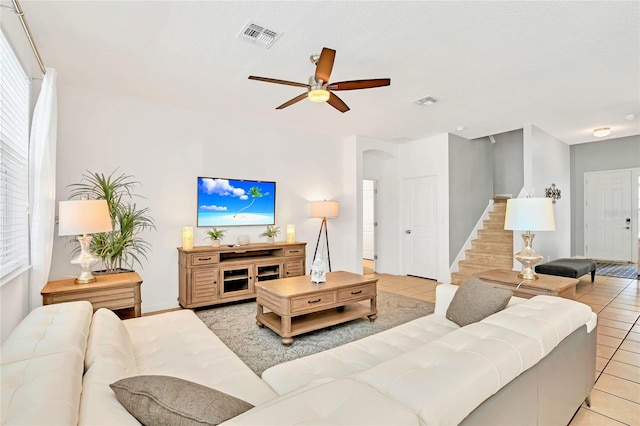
[(293, 251), (356, 292), (314, 301), (204, 258)]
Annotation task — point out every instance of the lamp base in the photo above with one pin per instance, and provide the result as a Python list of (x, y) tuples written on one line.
[(528, 258), (85, 260)]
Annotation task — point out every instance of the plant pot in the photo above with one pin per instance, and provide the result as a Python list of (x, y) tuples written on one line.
[(270, 240), (113, 271), (215, 243)]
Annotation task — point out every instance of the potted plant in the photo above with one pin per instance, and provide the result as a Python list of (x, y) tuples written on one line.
[(215, 235), (123, 247), (271, 232)]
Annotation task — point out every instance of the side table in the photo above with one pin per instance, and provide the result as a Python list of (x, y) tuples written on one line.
[(118, 292), (550, 285)]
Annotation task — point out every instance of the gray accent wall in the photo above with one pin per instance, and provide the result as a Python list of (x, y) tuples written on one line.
[(610, 154), (470, 187), (508, 163)]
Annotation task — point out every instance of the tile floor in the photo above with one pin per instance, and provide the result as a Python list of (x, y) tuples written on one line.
[(615, 399)]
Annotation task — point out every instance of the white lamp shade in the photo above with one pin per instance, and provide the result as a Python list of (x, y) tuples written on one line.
[(78, 217), (328, 209), (529, 214)]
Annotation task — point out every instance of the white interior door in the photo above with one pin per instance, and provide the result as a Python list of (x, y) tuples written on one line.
[(607, 211), (368, 219), (421, 226)]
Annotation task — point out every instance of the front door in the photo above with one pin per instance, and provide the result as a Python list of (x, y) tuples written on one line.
[(421, 227), (607, 211)]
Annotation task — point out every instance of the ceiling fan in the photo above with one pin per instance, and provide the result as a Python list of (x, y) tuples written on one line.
[(319, 89)]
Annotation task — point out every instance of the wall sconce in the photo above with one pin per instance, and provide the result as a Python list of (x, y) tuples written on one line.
[(553, 193)]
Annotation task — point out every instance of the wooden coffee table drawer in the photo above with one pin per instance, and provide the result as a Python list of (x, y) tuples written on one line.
[(312, 302), (357, 293)]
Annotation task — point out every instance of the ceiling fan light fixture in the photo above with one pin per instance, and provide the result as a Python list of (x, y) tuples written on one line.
[(601, 132), (318, 95)]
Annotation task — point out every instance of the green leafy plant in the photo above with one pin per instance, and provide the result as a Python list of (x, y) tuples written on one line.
[(271, 231), (124, 246), (215, 233)]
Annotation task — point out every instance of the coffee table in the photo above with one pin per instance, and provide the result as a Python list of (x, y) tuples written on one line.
[(299, 306), (545, 284)]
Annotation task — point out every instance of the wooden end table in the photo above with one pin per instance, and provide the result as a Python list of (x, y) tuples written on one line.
[(112, 291), (550, 285), (298, 305)]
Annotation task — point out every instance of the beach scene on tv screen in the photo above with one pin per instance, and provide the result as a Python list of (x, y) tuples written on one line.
[(229, 202)]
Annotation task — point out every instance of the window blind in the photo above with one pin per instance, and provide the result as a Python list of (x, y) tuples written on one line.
[(14, 162)]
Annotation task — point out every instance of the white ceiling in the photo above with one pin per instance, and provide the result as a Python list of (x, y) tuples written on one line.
[(566, 67)]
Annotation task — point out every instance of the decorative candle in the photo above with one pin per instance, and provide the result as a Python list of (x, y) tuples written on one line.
[(291, 233), (187, 238)]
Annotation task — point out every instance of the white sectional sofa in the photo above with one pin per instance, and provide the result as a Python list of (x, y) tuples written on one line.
[(532, 363)]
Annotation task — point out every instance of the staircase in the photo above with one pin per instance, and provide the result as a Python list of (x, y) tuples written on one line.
[(493, 249)]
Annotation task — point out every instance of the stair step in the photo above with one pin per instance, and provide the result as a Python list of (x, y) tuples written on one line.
[(489, 258), (458, 278), (499, 207), (495, 235), (497, 216), (493, 224), (493, 246)]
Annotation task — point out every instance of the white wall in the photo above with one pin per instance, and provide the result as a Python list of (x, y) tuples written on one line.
[(547, 161), (430, 157), (166, 148)]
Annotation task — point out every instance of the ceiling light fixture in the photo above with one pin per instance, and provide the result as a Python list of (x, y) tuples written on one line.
[(629, 117), (601, 132), (318, 95)]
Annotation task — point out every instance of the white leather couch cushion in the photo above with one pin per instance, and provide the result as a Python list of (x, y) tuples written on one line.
[(42, 365), (48, 330), (358, 355), (179, 344), (547, 319), (44, 390), (365, 353), (341, 402), (110, 357), (109, 338)]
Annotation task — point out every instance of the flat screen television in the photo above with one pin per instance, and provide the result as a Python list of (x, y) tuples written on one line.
[(235, 202)]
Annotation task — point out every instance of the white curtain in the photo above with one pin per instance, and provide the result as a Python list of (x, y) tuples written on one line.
[(44, 128)]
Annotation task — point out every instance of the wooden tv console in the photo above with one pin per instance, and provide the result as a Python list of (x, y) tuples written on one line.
[(213, 275)]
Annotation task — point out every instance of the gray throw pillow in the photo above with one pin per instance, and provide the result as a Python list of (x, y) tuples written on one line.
[(164, 400), (475, 300)]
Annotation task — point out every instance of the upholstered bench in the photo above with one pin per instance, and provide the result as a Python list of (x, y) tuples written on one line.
[(572, 268)]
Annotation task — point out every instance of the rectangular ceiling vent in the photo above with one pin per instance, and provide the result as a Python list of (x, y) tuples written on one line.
[(259, 35), (428, 100)]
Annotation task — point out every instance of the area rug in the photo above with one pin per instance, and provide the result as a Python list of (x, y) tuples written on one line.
[(620, 270), (260, 348)]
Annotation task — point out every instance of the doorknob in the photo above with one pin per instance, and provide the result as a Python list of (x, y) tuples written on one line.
[(408, 231)]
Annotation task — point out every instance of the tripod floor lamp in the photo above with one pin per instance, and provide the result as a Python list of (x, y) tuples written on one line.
[(324, 209)]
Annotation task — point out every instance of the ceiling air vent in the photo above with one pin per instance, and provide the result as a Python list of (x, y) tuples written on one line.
[(429, 100), (259, 35)]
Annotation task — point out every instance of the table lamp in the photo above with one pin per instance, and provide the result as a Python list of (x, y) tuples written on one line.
[(324, 209), (81, 218), (529, 214)]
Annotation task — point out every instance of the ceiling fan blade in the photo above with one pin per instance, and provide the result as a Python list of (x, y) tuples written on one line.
[(274, 80), (293, 101), (325, 64), (337, 103), (360, 84)]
